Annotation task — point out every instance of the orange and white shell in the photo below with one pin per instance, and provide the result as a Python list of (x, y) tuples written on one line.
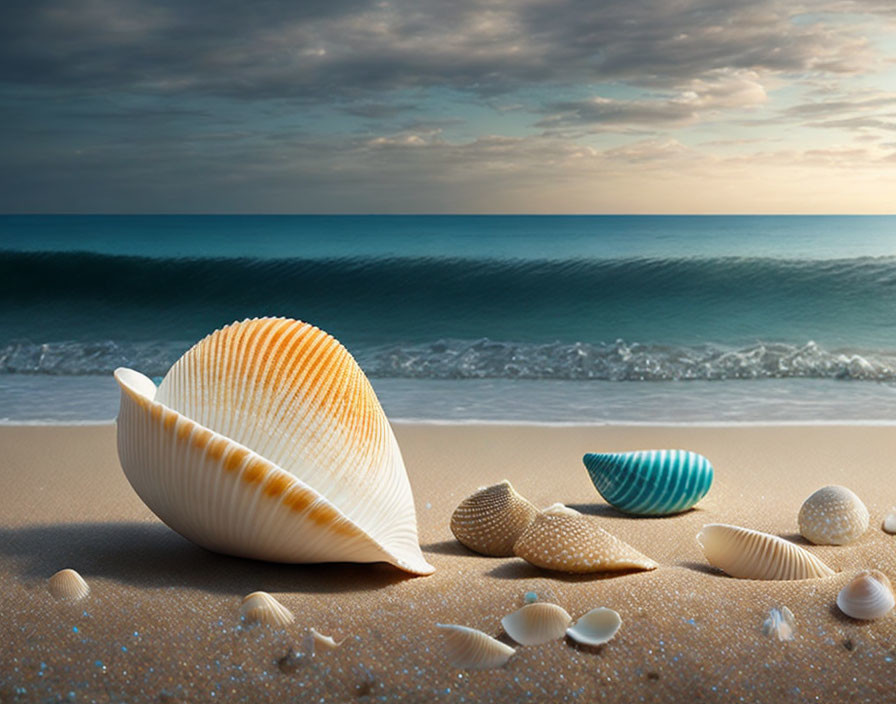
[(266, 440)]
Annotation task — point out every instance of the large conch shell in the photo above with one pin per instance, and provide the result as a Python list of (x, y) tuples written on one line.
[(266, 440)]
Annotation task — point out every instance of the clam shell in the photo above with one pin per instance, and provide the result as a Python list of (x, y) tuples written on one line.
[(536, 623), (780, 623), (490, 521), (69, 585), (889, 524), (868, 596), (750, 554), (596, 627), (833, 515), (266, 440), (650, 482), (470, 649), (261, 607), (558, 541)]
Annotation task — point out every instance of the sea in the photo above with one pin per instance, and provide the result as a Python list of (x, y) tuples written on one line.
[(534, 319)]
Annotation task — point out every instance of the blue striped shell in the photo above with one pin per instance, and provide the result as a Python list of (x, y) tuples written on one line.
[(650, 482)]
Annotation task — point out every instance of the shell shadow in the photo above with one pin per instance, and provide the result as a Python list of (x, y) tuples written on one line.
[(153, 555), (702, 567), (449, 547), (797, 538), (520, 569), (610, 512)]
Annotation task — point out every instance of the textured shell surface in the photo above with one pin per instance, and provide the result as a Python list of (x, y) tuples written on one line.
[(557, 541), (68, 584), (469, 649), (868, 596), (266, 440), (833, 515), (751, 554), (650, 482), (261, 607), (536, 623), (597, 627), (889, 524), (780, 623), (490, 520)]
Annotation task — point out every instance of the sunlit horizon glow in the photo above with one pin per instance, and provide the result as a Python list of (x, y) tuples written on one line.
[(421, 106)]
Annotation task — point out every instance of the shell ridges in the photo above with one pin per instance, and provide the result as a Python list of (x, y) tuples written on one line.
[(69, 585), (490, 520), (868, 596), (261, 607), (470, 649), (536, 623)]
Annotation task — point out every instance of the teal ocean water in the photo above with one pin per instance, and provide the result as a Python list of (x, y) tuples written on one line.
[(534, 318)]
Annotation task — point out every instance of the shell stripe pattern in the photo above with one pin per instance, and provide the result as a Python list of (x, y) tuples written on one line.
[(650, 482)]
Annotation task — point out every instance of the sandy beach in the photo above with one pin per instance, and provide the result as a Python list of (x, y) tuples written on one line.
[(162, 620)]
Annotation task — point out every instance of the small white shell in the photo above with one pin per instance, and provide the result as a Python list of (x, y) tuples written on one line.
[(868, 596), (490, 520), (596, 627), (536, 623), (470, 649), (833, 515), (559, 509), (751, 554), (261, 607), (890, 521), (322, 642), (780, 622), (68, 584)]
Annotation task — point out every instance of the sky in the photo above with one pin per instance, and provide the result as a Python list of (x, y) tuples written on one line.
[(460, 106)]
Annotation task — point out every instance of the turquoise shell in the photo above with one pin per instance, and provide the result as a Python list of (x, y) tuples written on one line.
[(650, 482)]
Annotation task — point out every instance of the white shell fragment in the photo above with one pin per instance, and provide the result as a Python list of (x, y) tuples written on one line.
[(596, 627), (868, 596), (833, 515), (261, 607), (322, 642), (470, 649), (490, 520), (750, 554), (889, 525), (780, 623), (537, 623), (69, 585)]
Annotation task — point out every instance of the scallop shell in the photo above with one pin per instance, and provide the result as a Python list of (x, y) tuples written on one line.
[(470, 649), (780, 623), (558, 541), (868, 596), (596, 627), (266, 440), (650, 482), (889, 524), (68, 584), (833, 515), (261, 607), (490, 521), (750, 554), (536, 623)]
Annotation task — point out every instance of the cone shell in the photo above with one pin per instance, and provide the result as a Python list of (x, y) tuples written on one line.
[(833, 515), (470, 649), (266, 440), (780, 623), (596, 627), (558, 541), (750, 554), (490, 521), (69, 585), (261, 607), (650, 482), (536, 623), (868, 596)]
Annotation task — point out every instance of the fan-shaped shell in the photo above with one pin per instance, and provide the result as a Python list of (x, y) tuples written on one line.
[(68, 584), (780, 623), (558, 541), (750, 554), (650, 482), (490, 520), (833, 515), (536, 623), (470, 649), (266, 440), (261, 607), (596, 627), (869, 595)]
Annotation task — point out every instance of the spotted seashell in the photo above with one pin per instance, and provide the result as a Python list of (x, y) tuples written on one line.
[(261, 607), (889, 524), (597, 627), (780, 623), (266, 440), (750, 554), (490, 521), (868, 596), (69, 585), (650, 482), (558, 541), (833, 515), (470, 649), (536, 623)]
